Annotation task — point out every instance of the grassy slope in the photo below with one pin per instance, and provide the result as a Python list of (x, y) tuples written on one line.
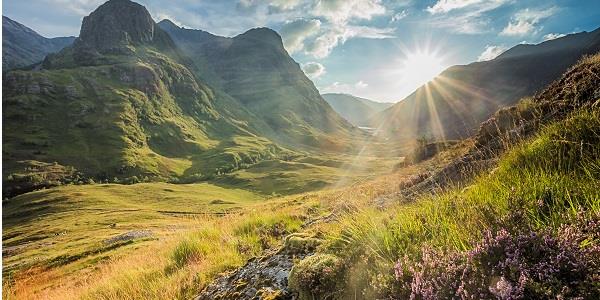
[(185, 253), (62, 251), (455, 221), (550, 179), (53, 227), (158, 122)]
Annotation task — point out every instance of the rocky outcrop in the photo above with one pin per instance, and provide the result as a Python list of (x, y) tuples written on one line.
[(116, 24), (263, 277), (116, 27)]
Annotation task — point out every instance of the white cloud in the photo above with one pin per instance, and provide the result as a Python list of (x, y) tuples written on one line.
[(358, 87), (491, 52), (552, 36), (340, 11), (465, 17), (337, 35), (79, 7), (399, 16), (294, 33), (313, 69), (285, 4), (444, 6), (525, 21), (339, 16)]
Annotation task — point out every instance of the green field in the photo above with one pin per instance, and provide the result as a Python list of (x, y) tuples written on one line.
[(74, 223)]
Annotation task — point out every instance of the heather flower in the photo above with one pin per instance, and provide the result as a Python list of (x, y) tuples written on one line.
[(525, 265)]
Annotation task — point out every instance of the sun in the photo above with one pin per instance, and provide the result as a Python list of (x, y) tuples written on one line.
[(419, 67)]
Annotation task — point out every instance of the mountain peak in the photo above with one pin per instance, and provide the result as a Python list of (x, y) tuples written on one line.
[(166, 23), (263, 34), (117, 24)]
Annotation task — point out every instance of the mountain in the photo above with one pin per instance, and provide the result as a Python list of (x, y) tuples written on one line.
[(255, 69), (454, 103), (129, 101), (356, 110), (21, 46), (122, 103)]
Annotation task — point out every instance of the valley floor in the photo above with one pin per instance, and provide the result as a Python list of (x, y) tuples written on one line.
[(103, 240)]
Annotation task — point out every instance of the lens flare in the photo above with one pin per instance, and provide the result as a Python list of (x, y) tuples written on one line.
[(420, 67)]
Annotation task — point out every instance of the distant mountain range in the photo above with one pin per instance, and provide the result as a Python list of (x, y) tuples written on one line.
[(356, 110), (21, 46), (454, 103), (131, 99)]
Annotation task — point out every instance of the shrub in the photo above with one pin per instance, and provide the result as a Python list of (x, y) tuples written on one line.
[(504, 265), (317, 277), (187, 250)]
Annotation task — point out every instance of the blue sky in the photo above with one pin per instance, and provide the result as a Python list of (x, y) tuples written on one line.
[(363, 47)]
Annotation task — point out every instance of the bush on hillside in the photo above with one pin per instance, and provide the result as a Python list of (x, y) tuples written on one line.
[(319, 276), (424, 149)]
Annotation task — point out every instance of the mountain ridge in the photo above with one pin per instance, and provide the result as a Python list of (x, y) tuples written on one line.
[(126, 108), (454, 103), (356, 110), (22, 46), (255, 69)]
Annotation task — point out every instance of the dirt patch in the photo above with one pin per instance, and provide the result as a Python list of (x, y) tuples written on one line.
[(128, 236)]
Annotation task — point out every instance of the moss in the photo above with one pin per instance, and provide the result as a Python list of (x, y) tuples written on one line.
[(300, 243), (268, 294), (320, 276)]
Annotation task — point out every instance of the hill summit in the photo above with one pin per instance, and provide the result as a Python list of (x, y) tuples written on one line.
[(116, 24)]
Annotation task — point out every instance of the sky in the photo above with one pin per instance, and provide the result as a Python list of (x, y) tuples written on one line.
[(377, 49)]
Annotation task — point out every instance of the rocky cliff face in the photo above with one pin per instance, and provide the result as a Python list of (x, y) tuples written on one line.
[(116, 24), (115, 28)]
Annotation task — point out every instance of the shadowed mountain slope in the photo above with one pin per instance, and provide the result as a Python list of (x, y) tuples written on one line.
[(356, 110), (454, 103), (21, 46), (255, 69)]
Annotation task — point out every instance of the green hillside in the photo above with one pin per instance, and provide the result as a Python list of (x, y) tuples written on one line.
[(256, 70), (531, 224), (125, 103)]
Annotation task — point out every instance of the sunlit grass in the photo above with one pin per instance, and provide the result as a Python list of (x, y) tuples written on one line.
[(551, 178)]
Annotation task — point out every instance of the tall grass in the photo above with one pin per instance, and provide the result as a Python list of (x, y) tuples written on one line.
[(549, 179)]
